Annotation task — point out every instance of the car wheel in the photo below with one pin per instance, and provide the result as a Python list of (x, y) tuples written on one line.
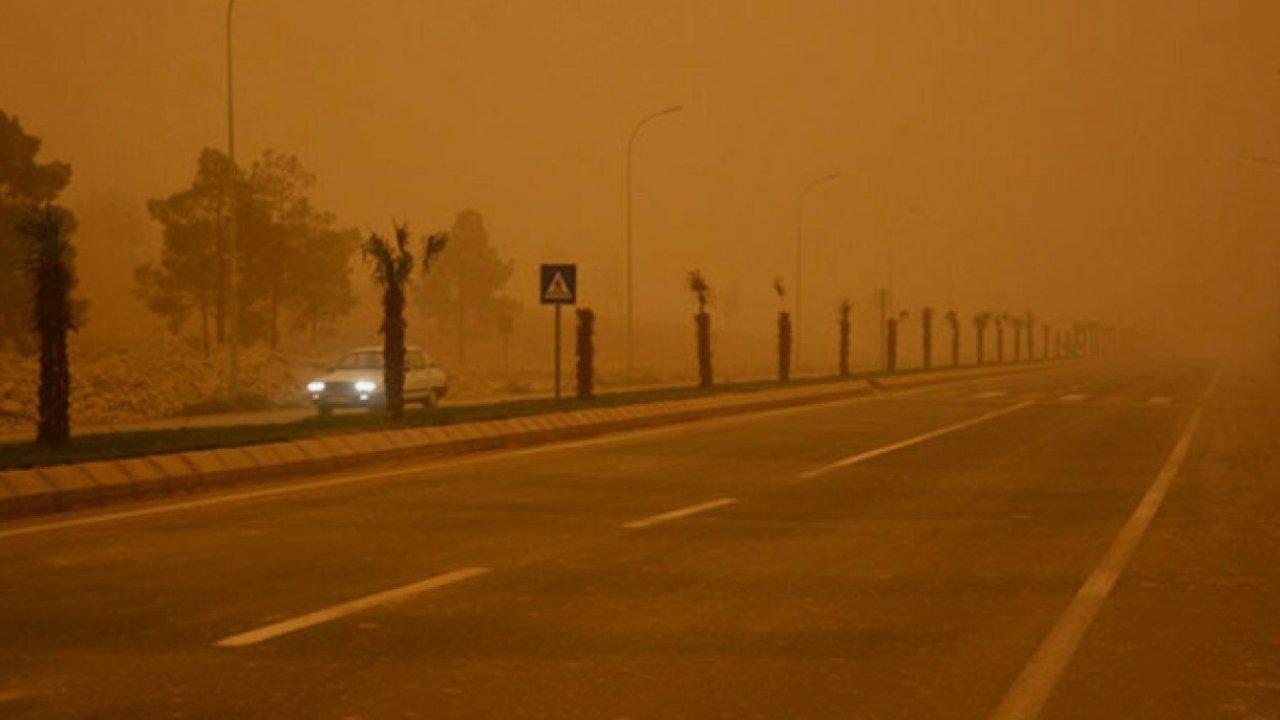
[(324, 410), (432, 400)]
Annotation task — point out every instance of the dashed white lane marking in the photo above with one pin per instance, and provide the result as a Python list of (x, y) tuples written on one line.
[(923, 437), (991, 394), (682, 512), (1160, 400), (1029, 693), (348, 608), (1072, 397)]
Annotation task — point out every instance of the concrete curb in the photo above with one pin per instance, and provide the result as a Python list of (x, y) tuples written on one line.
[(56, 488)]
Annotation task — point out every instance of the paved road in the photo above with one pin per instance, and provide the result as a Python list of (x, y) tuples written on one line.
[(1083, 542)]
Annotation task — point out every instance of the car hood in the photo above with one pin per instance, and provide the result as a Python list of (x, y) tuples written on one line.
[(337, 376)]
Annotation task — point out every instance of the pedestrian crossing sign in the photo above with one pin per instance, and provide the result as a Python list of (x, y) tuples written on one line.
[(558, 284)]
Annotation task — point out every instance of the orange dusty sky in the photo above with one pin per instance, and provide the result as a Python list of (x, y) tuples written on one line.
[(1083, 158)]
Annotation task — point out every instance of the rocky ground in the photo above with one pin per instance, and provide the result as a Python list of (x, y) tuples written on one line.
[(162, 378), (167, 377), (116, 382)]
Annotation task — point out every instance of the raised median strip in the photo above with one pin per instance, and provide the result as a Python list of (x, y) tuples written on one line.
[(42, 490)]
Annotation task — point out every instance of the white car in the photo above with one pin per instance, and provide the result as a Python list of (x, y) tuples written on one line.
[(356, 381)]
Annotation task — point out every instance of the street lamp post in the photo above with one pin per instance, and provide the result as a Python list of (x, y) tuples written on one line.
[(233, 299), (800, 254), (630, 285)]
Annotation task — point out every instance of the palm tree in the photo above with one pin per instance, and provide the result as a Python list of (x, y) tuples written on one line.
[(1030, 321), (1000, 338), (49, 263), (586, 353), (701, 290), (980, 322), (926, 324), (1017, 324), (392, 265), (891, 341), (1044, 347), (784, 332), (846, 308), (953, 319)]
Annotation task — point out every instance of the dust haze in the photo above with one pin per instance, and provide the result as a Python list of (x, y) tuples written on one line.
[(1085, 160)]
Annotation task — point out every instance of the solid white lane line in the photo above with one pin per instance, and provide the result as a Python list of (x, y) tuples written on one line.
[(1074, 397), (1161, 400), (348, 608), (1029, 693), (990, 394), (923, 437), (682, 512)]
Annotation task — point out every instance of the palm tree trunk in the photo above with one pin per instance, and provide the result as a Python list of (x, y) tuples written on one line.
[(393, 348), (845, 342), (204, 328), (703, 322), (928, 341), (891, 345), (784, 346), (586, 352)]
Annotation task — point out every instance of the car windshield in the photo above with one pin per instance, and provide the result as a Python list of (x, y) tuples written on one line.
[(361, 361)]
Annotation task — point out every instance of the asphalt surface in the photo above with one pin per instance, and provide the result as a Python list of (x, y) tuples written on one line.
[(991, 549)]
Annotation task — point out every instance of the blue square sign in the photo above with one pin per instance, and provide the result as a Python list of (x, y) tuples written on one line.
[(558, 284)]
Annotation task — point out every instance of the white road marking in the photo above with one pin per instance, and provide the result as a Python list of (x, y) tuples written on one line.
[(1029, 693), (348, 608), (1161, 400), (675, 514), (923, 437), (991, 394), (446, 464), (1073, 397)]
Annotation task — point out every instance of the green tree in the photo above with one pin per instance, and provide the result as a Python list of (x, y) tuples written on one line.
[(291, 257), (24, 182), (192, 271), (321, 290), (301, 261), (50, 271), (465, 289)]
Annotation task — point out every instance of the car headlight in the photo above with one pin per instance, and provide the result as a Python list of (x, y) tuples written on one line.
[(366, 386), (315, 386)]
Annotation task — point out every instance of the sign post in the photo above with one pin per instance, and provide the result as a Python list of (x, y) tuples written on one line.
[(558, 285)]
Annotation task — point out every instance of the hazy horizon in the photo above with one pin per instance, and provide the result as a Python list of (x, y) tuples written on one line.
[(1083, 160)]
